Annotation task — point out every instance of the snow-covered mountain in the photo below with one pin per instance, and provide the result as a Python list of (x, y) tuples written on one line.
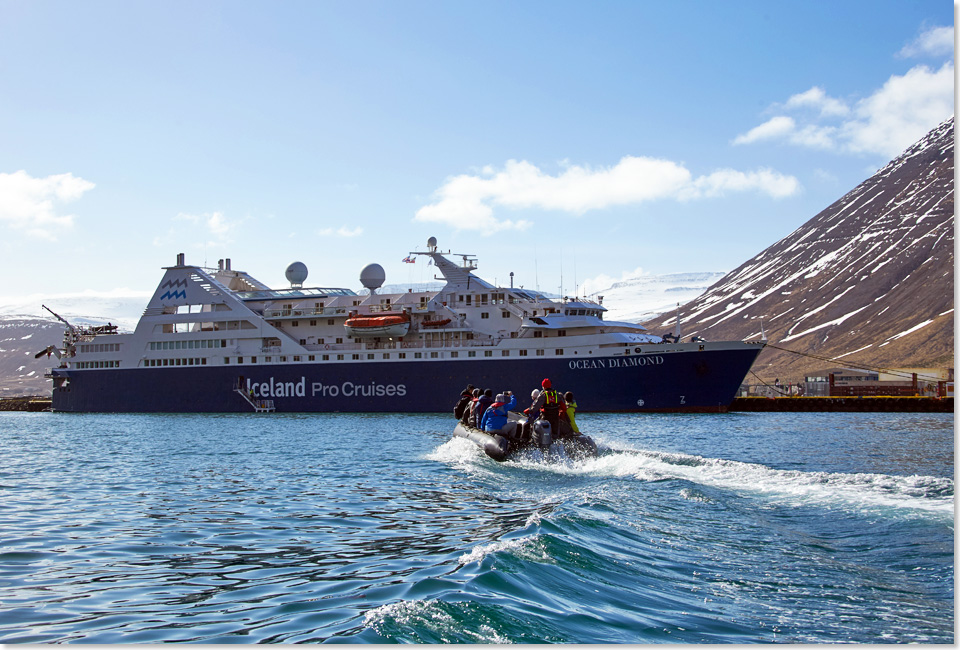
[(643, 296), (867, 281), (120, 308)]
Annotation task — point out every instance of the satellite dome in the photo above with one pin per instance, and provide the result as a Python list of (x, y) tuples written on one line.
[(432, 243), (296, 274), (372, 277)]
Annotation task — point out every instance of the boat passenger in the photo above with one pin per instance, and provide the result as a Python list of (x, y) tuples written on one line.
[(496, 416), (548, 404), (466, 396), (482, 404), (467, 418), (568, 423)]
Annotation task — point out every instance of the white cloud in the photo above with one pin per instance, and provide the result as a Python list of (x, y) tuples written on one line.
[(604, 281), (902, 111), (342, 231), (29, 204), (817, 99), (936, 41), (772, 129), (217, 225), (885, 123), (466, 202), (765, 181)]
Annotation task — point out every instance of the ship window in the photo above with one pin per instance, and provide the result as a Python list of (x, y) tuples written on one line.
[(504, 353), (283, 359), (226, 361), (253, 359), (539, 353), (329, 321), (402, 355), (295, 323), (561, 332), (313, 323), (203, 361), (454, 354), (471, 353), (369, 355), (355, 357), (537, 334), (488, 353), (303, 341), (483, 298), (339, 357), (417, 355), (386, 355), (434, 355), (505, 314), (559, 352), (339, 340), (523, 353), (325, 357), (484, 314), (239, 359)]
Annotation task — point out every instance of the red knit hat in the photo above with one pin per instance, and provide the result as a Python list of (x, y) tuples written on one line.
[(546, 383)]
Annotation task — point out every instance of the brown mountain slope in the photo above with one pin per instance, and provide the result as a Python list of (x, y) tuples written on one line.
[(868, 281)]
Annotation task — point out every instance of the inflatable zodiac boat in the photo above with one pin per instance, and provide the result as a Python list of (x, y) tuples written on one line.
[(511, 440)]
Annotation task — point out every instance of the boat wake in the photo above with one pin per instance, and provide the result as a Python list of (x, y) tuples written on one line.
[(861, 491)]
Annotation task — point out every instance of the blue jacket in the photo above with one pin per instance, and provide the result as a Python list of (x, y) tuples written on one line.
[(495, 418)]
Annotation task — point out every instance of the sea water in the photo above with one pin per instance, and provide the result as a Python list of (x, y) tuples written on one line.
[(743, 527)]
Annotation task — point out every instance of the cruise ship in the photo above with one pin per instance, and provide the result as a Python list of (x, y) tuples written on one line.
[(218, 340)]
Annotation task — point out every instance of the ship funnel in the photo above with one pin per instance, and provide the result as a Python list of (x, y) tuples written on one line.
[(180, 258)]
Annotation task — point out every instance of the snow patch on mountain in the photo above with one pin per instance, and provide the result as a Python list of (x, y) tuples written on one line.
[(638, 296)]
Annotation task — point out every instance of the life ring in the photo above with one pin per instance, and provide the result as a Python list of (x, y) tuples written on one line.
[(326, 346)]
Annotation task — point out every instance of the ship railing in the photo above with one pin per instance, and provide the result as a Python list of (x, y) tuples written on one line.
[(300, 313), (395, 345)]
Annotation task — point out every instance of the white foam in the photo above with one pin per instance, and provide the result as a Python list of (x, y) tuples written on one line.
[(860, 491)]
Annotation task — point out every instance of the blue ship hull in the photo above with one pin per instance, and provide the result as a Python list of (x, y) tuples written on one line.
[(691, 381)]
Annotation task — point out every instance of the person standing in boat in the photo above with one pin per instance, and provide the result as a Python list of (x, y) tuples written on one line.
[(495, 419), (548, 406)]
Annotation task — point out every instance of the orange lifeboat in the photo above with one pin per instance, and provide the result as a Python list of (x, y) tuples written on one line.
[(435, 323), (380, 324)]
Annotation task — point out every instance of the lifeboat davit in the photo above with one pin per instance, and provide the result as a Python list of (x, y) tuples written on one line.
[(380, 324)]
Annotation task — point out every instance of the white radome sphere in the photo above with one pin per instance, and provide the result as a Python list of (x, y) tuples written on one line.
[(372, 276), (297, 273)]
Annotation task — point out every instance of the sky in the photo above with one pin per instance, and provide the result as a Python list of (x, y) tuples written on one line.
[(573, 143)]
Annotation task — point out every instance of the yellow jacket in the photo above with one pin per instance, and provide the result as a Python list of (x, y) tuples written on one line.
[(571, 410)]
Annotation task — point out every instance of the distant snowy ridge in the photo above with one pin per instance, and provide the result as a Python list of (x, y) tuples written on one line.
[(644, 296), (121, 307)]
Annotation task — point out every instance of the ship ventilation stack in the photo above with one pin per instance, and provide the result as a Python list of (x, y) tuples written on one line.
[(180, 259)]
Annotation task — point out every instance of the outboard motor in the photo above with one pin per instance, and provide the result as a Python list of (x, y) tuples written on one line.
[(542, 436)]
